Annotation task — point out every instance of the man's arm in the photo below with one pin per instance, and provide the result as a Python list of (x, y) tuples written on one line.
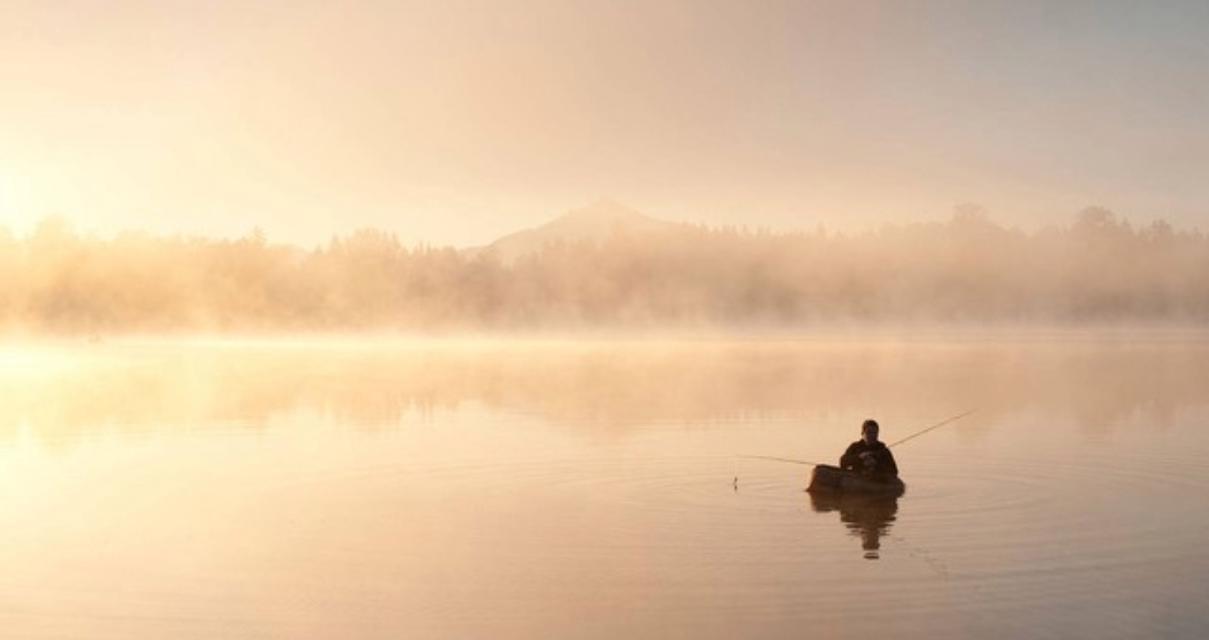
[(890, 465), (851, 458)]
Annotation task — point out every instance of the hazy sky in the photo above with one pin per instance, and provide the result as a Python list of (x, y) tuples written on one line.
[(456, 122)]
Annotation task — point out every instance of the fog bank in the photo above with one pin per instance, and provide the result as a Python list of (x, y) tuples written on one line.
[(1098, 269)]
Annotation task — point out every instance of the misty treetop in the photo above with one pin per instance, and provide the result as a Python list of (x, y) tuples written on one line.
[(968, 269)]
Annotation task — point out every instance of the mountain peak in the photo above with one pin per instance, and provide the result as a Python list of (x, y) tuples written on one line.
[(606, 213), (594, 222)]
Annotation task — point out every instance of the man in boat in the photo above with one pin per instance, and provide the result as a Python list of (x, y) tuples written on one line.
[(869, 456)]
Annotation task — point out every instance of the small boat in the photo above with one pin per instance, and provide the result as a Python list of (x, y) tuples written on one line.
[(828, 479)]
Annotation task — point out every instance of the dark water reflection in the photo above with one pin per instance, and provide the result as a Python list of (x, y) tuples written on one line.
[(868, 517)]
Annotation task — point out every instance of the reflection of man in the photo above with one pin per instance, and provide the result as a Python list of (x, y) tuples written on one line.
[(867, 516), (869, 456)]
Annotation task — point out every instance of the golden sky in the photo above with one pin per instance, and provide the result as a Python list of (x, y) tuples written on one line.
[(455, 122)]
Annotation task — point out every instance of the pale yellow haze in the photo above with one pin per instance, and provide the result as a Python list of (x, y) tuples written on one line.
[(456, 122)]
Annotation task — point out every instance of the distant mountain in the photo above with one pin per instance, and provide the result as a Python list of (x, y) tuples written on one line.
[(595, 222)]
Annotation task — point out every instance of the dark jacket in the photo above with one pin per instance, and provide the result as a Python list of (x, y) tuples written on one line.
[(885, 467)]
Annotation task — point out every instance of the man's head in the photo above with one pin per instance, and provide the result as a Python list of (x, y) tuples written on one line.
[(869, 431)]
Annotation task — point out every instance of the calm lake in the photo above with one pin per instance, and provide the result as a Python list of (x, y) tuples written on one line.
[(595, 489)]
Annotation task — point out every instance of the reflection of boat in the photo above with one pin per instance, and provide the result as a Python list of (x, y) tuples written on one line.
[(867, 515), (828, 479)]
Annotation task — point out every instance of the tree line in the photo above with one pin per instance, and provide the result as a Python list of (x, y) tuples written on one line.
[(1098, 268)]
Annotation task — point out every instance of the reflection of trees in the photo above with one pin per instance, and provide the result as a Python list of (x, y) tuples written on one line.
[(867, 516), (598, 385), (968, 269)]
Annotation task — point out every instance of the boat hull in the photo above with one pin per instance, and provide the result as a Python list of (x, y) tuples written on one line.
[(828, 479)]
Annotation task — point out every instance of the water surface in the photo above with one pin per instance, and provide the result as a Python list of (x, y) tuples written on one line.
[(385, 489)]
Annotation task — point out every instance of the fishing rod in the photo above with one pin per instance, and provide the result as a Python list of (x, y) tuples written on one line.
[(935, 426), (782, 460), (914, 435)]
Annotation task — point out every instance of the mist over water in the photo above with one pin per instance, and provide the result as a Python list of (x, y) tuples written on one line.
[(508, 488), (608, 267)]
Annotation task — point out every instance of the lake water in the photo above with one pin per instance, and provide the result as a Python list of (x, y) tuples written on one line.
[(545, 489)]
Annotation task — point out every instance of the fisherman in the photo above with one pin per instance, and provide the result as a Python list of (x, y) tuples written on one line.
[(869, 456)]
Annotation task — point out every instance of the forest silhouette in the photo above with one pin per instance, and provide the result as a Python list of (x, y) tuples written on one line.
[(1097, 269)]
